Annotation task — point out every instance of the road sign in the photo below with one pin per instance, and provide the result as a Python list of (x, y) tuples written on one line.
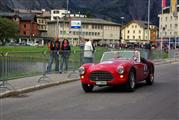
[(76, 24)]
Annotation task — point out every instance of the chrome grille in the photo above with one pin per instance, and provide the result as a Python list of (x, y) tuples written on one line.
[(101, 76)]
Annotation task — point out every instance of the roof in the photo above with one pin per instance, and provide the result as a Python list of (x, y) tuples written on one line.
[(143, 24), (27, 16), (7, 14), (23, 16), (90, 20)]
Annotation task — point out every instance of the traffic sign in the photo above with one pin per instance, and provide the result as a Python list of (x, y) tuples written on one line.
[(76, 24)]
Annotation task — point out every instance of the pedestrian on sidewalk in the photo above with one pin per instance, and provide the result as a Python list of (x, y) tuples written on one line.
[(88, 51), (54, 48), (65, 54)]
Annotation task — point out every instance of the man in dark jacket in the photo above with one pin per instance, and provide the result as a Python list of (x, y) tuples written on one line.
[(54, 47)]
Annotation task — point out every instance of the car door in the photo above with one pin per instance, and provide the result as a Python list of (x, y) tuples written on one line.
[(140, 67)]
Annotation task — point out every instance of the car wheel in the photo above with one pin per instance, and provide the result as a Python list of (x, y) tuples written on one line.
[(150, 79), (131, 81), (87, 87)]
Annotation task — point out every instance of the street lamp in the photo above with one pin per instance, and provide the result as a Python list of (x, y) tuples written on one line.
[(122, 18), (148, 20)]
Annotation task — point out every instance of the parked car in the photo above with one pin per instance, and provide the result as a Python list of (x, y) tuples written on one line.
[(116, 68)]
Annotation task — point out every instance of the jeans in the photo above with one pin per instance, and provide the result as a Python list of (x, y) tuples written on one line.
[(54, 54), (64, 61)]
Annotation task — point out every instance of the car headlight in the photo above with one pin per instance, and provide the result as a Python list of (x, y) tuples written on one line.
[(82, 70), (120, 69)]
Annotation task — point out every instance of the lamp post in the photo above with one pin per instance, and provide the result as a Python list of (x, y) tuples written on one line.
[(122, 19), (148, 20)]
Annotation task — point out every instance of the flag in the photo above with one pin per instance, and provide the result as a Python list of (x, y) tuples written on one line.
[(173, 7), (164, 4)]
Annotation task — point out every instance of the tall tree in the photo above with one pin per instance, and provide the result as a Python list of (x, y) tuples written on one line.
[(8, 29)]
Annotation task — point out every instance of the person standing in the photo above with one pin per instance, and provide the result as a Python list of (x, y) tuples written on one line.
[(88, 51), (66, 50), (54, 48)]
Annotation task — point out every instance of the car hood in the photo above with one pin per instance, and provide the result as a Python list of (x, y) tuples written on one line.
[(108, 65)]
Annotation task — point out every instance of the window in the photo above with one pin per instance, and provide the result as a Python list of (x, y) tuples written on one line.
[(24, 32), (133, 37), (165, 18), (139, 31), (139, 37), (55, 12), (134, 31), (176, 25), (24, 25), (127, 37), (128, 31)]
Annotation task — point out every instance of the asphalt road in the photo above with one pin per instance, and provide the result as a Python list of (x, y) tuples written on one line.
[(69, 102)]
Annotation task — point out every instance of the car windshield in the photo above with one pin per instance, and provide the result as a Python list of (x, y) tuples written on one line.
[(112, 55)]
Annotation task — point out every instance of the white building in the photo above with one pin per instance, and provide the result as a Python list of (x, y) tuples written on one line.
[(58, 14), (137, 32), (61, 13), (99, 30), (168, 24)]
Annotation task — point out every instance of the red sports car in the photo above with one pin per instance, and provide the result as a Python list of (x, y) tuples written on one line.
[(116, 68)]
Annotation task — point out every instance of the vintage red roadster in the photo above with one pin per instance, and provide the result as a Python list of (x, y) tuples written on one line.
[(117, 68)]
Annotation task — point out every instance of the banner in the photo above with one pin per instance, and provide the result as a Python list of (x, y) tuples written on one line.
[(164, 4), (173, 7)]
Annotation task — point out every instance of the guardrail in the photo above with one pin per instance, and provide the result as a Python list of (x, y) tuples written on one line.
[(22, 64)]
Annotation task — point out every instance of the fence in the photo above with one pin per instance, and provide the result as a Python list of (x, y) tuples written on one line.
[(22, 64)]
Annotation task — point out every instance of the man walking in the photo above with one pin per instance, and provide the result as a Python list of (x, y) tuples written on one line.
[(54, 47), (88, 52)]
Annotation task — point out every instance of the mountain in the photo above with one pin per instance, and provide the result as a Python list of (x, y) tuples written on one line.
[(107, 9)]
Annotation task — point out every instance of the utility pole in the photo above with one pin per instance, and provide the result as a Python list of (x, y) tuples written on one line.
[(148, 21)]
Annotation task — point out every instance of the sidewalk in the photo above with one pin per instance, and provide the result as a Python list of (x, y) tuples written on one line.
[(29, 84)]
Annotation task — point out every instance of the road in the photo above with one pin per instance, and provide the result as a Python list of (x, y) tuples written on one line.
[(69, 102)]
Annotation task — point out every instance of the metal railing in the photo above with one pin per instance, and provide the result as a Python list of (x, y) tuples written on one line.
[(22, 64)]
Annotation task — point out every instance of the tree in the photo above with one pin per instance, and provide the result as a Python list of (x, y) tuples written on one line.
[(8, 29)]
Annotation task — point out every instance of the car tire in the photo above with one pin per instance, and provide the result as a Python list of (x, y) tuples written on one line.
[(131, 81), (87, 87), (150, 79)]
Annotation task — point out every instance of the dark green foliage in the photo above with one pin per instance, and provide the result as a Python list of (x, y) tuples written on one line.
[(8, 29)]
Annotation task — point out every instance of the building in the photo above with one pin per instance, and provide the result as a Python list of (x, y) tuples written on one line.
[(58, 14), (169, 24), (27, 26), (26, 23), (41, 20), (136, 31), (10, 15), (99, 30)]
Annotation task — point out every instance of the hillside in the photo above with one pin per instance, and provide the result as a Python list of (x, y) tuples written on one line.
[(107, 9)]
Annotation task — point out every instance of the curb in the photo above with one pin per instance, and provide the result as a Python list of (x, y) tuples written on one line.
[(164, 61), (34, 88)]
